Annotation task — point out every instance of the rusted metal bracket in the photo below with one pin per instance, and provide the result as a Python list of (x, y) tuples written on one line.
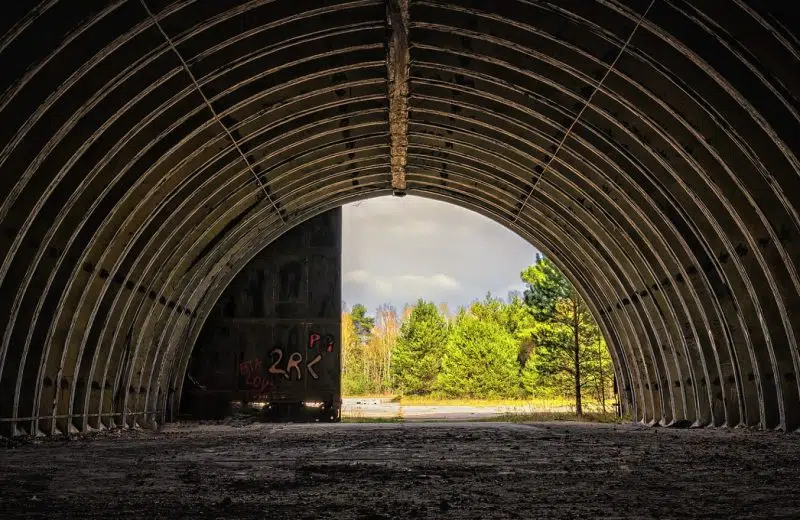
[(397, 64)]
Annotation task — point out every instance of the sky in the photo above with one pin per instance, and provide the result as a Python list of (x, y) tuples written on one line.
[(396, 250)]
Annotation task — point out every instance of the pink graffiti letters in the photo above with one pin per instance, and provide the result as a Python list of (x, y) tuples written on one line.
[(324, 343), (310, 366), (251, 366), (257, 383)]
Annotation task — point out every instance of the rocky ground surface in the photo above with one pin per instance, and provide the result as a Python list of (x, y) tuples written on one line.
[(404, 470)]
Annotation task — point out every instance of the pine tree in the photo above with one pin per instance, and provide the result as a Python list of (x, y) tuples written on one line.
[(480, 360), (565, 346), (362, 322), (417, 359), (547, 371)]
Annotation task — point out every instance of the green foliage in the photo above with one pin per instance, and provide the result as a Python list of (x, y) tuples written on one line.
[(542, 344), (566, 355), (356, 383), (480, 360), (544, 374), (417, 358), (546, 287), (363, 324)]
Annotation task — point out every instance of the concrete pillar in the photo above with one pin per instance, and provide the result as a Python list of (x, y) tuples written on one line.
[(273, 335)]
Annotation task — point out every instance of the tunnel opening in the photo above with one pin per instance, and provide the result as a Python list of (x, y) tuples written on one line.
[(280, 343)]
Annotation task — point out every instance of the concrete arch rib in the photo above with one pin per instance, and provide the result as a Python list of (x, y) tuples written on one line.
[(128, 197)]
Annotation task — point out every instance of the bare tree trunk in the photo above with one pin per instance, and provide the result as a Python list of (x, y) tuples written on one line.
[(602, 380), (577, 347)]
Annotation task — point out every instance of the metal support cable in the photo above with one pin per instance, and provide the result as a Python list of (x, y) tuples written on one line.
[(211, 108), (588, 102)]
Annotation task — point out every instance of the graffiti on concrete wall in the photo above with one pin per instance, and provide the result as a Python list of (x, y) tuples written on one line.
[(251, 370), (289, 367), (318, 345)]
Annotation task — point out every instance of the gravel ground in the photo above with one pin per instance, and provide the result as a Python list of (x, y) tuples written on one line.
[(404, 470)]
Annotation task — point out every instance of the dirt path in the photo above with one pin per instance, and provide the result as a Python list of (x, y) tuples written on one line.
[(411, 470)]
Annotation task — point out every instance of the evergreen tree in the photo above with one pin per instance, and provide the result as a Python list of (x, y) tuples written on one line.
[(547, 371), (362, 322), (480, 360), (563, 337), (546, 288), (416, 360)]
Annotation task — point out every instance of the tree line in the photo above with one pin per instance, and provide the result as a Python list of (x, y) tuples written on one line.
[(542, 343)]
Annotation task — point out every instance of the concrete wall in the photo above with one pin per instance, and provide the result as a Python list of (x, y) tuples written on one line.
[(274, 334)]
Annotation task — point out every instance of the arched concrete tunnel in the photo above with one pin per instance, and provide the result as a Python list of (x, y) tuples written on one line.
[(150, 148)]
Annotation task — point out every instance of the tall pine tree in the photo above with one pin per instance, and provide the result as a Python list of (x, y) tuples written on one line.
[(567, 331), (480, 360), (417, 359)]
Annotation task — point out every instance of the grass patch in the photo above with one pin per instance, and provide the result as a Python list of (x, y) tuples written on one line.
[(525, 417), (428, 400), (356, 419), (357, 416)]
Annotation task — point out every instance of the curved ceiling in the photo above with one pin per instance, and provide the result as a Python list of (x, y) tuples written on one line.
[(149, 148)]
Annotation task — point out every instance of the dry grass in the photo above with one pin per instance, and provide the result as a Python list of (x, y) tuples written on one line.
[(527, 417), (512, 410), (532, 404), (362, 419), (357, 416)]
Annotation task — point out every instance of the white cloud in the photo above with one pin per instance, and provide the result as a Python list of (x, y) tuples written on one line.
[(396, 250), (404, 282), (356, 276), (383, 286), (442, 280)]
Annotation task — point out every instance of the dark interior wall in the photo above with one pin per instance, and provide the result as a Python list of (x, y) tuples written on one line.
[(274, 333), (149, 149)]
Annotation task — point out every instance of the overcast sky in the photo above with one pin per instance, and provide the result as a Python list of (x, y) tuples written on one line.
[(395, 250)]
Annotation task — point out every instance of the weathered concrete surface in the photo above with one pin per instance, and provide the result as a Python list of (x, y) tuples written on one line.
[(463, 470)]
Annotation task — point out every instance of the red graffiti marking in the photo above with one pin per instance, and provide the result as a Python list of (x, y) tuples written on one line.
[(259, 384), (249, 367), (325, 343)]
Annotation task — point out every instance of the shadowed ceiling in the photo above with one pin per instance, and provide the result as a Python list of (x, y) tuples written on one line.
[(148, 149)]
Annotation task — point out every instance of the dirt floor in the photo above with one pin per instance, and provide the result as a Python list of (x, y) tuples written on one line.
[(405, 470)]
